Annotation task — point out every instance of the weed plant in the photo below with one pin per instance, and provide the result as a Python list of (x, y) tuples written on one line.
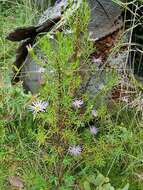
[(63, 138)]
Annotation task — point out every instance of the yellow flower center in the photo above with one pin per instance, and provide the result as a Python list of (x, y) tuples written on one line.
[(37, 108)]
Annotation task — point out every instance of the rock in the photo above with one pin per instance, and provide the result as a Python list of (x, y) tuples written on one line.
[(105, 19), (32, 73)]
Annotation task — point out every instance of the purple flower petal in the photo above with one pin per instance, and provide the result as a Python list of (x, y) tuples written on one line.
[(94, 130), (94, 113), (74, 150), (39, 106), (78, 103)]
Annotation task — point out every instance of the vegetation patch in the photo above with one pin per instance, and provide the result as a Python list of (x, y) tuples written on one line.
[(69, 135)]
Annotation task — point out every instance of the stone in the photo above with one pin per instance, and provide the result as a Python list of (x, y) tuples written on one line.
[(105, 19)]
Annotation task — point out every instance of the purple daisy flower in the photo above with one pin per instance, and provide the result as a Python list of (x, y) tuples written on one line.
[(93, 130), (78, 103), (39, 106), (94, 113), (97, 61), (125, 99), (74, 150)]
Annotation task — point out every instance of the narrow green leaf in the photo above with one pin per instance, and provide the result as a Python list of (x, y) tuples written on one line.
[(107, 186), (87, 185), (100, 179), (92, 179), (126, 187)]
